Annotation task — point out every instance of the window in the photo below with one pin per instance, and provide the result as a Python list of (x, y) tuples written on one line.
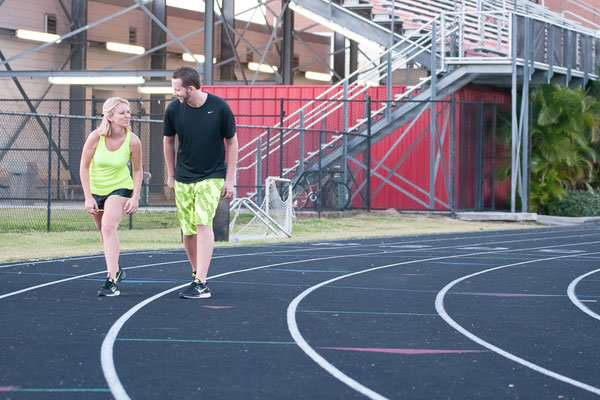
[(132, 35), (50, 23)]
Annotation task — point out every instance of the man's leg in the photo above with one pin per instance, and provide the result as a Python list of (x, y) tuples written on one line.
[(191, 249), (184, 200), (204, 246)]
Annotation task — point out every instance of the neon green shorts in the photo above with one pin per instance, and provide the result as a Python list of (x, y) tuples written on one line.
[(197, 203)]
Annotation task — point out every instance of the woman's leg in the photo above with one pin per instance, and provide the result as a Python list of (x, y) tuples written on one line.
[(113, 215)]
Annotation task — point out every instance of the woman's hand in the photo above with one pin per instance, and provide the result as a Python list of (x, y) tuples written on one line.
[(91, 207), (131, 205)]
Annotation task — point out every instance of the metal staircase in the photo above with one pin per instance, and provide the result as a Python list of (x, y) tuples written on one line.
[(476, 43)]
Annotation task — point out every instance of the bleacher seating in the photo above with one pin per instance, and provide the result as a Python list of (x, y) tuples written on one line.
[(485, 38)]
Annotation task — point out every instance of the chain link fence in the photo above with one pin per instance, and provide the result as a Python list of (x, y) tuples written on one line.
[(40, 153)]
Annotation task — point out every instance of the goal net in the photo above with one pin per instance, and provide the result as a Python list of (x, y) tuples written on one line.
[(272, 219)]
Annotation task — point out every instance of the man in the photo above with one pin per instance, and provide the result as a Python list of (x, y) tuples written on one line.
[(204, 171)]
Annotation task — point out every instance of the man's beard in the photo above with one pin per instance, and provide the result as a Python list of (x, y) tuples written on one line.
[(185, 98)]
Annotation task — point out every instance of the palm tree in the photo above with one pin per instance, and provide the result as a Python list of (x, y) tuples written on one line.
[(565, 133), (565, 125)]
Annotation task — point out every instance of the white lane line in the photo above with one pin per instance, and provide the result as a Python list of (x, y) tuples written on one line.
[(439, 306), (326, 365), (504, 235), (172, 262), (106, 351), (576, 301), (27, 289)]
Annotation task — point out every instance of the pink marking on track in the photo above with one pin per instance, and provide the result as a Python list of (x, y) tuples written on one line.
[(403, 351), (8, 388), (217, 307)]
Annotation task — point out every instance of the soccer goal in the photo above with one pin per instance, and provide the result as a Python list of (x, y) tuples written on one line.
[(272, 219)]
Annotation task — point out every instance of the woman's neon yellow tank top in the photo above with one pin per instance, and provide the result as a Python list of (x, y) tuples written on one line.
[(108, 170)]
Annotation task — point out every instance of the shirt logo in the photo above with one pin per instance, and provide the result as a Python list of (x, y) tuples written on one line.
[(210, 112)]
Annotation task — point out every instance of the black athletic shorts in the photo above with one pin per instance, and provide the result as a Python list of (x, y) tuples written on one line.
[(127, 193)]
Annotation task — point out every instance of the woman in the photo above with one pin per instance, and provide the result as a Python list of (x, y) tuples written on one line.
[(108, 187)]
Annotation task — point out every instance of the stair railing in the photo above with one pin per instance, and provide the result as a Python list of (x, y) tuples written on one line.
[(336, 97)]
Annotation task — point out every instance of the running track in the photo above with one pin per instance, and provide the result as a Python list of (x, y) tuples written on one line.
[(489, 315)]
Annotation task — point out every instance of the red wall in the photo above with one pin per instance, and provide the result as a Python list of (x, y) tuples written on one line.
[(260, 105)]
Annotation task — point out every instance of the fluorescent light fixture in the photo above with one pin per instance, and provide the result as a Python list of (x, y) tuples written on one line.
[(37, 36), (195, 57), (155, 89), (270, 69), (331, 25), (125, 48), (317, 76), (96, 80)]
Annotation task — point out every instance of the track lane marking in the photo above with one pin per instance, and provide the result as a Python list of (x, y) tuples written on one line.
[(575, 300), (338, 374), (439, 306)]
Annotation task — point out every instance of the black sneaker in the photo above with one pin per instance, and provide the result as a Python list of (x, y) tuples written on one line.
[(120, 275), (196, 290), (193, 275), (109, 289)]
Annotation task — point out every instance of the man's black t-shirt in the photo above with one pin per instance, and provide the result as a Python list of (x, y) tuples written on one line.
[(201, 130)]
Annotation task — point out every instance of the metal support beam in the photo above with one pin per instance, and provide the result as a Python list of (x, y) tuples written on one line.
[(227, 70), (339, 57), (514, 126), (353, 60), (287, 53), (524, 125), (432, 117), (77, 96), (209, 28), (158, 61)]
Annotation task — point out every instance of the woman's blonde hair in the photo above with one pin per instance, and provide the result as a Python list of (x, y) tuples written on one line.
[(108, 110)]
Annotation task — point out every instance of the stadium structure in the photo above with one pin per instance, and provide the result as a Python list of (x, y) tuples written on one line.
[(404, 102)]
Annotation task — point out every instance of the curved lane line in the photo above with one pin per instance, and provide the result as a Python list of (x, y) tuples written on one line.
[(326, 365), (439, 306), (106, 351), (576, 301)]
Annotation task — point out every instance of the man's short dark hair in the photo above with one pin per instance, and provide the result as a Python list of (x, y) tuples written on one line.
[(188, 75)]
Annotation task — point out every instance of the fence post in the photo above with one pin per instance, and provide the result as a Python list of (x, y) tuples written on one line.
[(268, 147), (301, 145), (49, 191), (258, 177), (321, 140), (368, 161), (452, 144), (281, 115), (59, 150)]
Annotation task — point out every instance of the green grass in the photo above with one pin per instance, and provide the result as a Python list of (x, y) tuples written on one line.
[(38, 244), (35, 219)]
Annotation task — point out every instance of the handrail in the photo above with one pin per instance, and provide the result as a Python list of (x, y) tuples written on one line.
[(495, 39), (355, 75), (368, 73)]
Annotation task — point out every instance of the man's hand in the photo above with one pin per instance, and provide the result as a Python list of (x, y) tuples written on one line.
[(171, 183), (227, 190)]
